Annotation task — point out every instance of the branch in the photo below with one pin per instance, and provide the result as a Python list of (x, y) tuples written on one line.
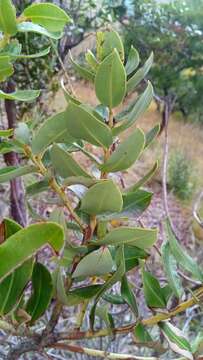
[(103, 354), (195, 210)]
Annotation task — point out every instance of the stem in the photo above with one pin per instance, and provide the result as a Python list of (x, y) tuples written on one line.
[(54, 186), (100, 353)]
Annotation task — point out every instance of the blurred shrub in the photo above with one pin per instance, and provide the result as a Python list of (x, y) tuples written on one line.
[(181, 176)]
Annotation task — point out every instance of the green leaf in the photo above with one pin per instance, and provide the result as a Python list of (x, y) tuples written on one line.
[(50, 16), (58, 285), (133, 61), (170, 269), (182, 258), (6, 133), (103, 313), (151, 135), (97, 200), (20, 95), (134, 204), (126, 153), (142, 238), (54, 129), (6, 147), (27, 26), (117, 276), (82, 180), (11, 172), (152, 291), (42, 290), (144, 179), (91, 60), (41, 53), (78, 296), (82, 71), (137, 110), (176, 339), (22, 133), (107, 41), (6, 68), (128, 295), (11, 49), (57, 216), (67, 95), (64, 164), (81, 124), (97, 263), (37, 187), (110, 81), (141, 334), (11, 288), (8, 23), (140, 74), (114, 299), (25, 243)]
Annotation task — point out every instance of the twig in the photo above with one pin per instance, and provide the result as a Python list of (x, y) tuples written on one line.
[(195, 210), (100, 353)]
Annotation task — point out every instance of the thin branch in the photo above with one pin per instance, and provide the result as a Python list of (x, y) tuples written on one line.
[(195, 210), (100, 353)]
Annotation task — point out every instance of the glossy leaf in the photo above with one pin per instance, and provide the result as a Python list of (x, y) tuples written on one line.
[(50, 16), (142, 238), (27, 26), (137, 110), (140, 74), (11, 172), (152, 291), (82, 71), (8, 17), (176, 339), (128, 295), (170, 269), (110, 81), (42, 290), (144, 179), (107, 41), (25, 243), (11, 288), (97, 200), (81, 124), (54, 129), (20, 95), (133, 61), (126, 153), (64, 164), (77, 296), (179, 253), (114, 299), (6, 68), (97, 263)]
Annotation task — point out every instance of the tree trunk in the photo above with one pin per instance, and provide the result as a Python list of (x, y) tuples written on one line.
[(17, 196)]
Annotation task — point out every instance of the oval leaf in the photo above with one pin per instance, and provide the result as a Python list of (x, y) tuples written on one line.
[(8, 23), (54, 129), (107, 41), (25, 243), (82, 124), (64, 164), (20, 95), (28, 26), (6, 68), (126, 153), (97, 200), (142, 238), (12, 172), (128, 295), (50, 16), (96, 263), (42, 289), (110, 81)]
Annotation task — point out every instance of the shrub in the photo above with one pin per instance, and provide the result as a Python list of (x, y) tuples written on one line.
[(181, 177), (91, 252)]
